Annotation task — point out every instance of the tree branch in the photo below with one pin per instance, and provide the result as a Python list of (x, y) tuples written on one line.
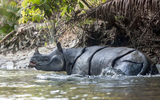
[(86, 4)]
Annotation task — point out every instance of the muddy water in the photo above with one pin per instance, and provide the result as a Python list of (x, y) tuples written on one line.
[(39, 85)]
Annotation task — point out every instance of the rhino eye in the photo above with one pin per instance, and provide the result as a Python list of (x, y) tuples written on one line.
[(46, 59)]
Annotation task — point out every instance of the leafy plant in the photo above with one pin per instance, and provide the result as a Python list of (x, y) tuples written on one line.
[(8, 16), (37, 10)]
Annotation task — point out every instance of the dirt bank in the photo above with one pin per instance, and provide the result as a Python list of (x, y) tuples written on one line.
[(19, 60)]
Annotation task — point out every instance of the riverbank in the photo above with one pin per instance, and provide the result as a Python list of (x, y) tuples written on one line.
[(19, 60)]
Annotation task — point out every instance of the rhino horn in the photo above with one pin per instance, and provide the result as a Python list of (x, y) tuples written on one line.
[(36, 51), (59, 47)]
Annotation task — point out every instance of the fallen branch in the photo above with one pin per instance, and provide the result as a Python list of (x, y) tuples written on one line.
[(7, 36)]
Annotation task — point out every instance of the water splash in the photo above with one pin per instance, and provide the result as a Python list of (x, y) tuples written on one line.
[(111, 72)]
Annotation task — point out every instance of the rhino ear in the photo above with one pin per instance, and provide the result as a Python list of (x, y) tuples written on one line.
[(36, 51), (59, 47)]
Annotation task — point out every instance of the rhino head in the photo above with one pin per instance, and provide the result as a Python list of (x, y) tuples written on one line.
[(50, 62)]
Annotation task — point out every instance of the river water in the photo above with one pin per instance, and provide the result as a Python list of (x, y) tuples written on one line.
[(40, 85)]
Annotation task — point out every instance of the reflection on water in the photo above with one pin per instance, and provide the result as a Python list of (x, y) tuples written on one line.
[(40, 85)]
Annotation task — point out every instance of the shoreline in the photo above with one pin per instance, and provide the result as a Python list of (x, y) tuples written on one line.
[(20, 59)]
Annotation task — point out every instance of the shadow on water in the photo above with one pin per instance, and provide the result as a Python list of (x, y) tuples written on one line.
[(33, 84)]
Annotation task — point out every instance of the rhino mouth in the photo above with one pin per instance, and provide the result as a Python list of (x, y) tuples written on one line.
[(32, 64)]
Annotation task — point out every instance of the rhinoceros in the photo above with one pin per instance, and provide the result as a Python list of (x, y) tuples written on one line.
[(91, 60)]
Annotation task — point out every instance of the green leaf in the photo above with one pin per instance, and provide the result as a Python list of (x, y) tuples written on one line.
[(68, 9), (64, 10), (13, 3), (81, 5), (45, 44), (36, 1), (103, 1), (24, 3), (38, 18), (33, 18), (46, 6), (57, 1)]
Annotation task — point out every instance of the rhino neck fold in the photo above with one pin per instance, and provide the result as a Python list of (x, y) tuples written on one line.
[(70, 56), (90, 58)]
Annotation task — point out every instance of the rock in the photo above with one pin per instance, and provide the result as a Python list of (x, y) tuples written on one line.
[(19, 60), (8, 65), (2, 61), (23, 64)]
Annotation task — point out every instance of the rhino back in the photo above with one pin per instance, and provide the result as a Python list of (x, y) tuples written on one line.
[(82, 64), (106, 57)]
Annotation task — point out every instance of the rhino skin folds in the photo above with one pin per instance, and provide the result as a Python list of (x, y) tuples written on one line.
[(91, 60)]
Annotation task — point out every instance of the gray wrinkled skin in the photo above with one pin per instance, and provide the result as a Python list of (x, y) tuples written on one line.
[(47, 62), (91, 60)]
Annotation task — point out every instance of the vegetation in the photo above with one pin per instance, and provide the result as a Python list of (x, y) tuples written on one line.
[(133, 23), (9, 16)]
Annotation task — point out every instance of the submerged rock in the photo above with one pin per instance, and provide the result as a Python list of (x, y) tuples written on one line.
[(8, 65), (2, 61)]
